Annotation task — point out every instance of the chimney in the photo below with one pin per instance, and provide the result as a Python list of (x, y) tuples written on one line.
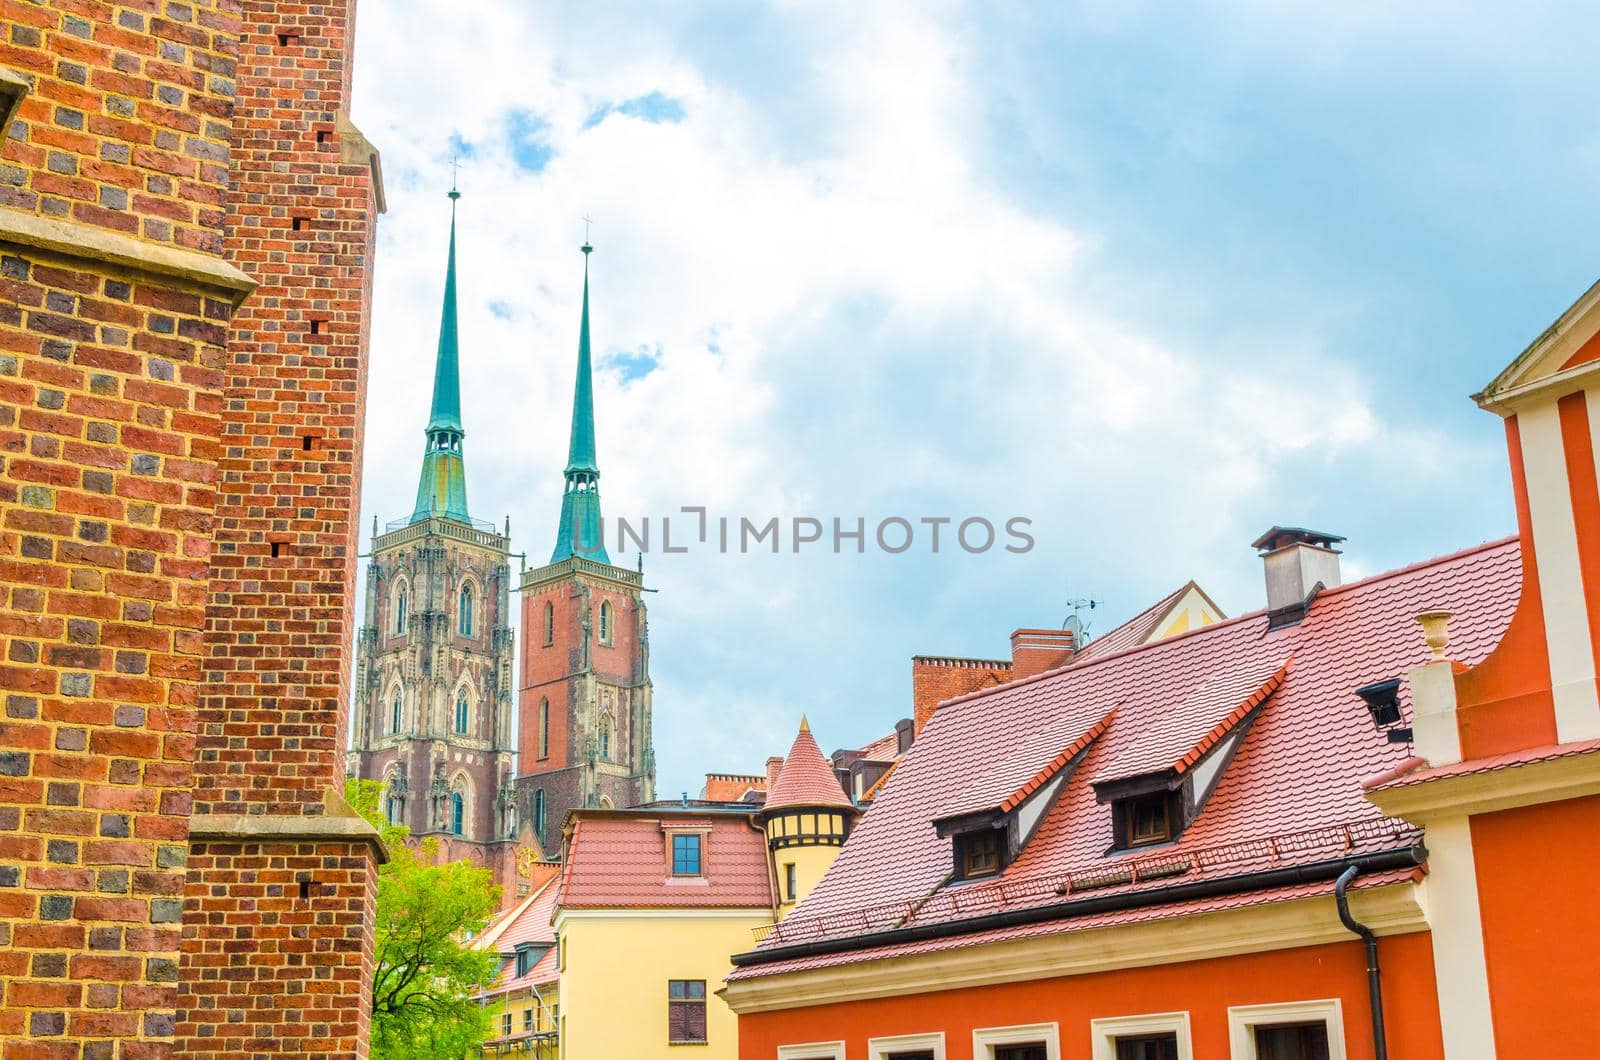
[(905, 730), (1296, 561), (774, 764), (936, 678), (1033, 651)]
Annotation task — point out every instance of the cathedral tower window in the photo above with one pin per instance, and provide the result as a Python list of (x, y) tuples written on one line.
[(395, 809), (538, 814), (549, 622), (605, 621), (544, 728), (400, 610), (462, 712), (464, 618), (458, 812), (605, 738), (396, 713)]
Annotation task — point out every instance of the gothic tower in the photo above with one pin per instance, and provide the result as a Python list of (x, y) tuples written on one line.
[(434, 673), (584, 736)]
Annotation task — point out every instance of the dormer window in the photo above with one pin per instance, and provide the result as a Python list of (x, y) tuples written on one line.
[(1145, 820), (686, 854), (524, 960), (978, 853)]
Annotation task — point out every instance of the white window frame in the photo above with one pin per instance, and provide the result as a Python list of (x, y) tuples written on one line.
[(812, 1051), (881, 1048), (1020, 1034), (1103, 1033), (1244, 1019)]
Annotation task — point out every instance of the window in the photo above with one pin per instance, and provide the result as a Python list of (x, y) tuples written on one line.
[(1038, 1041), (1297, 1030), (686, 1010), (400, 610), (544, 728), (538, 814), (458, 811), (549, 622), (396, 808), (524, 959), (461, 713), (605, 738), (978, 853), (1156, 1036), (464, 612), (791, 881), (527, 1018), (812, 1051), (686, 854), (605, 621), (505, 1024), (907, 1047), (1144, 820), (396, 714)]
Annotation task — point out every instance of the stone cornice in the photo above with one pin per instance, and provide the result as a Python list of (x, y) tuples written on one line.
[(75, 240), (1390, 910), (1506, 788)]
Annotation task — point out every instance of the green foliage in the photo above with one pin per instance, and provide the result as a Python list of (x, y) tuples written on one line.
[(424, 977)]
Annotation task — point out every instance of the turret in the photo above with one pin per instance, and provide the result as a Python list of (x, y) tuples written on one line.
[(807, 817)]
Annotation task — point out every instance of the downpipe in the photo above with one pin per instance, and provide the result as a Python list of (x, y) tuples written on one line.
[(1380, 1046)]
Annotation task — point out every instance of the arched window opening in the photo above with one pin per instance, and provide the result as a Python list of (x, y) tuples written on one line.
[(538, 813), (605, 621), (549, 622), (396, 713), (458, 812), (396, 809), (605, 738), (464, 618), (400, 610), (544, 728), (605, 802), (461, 713)]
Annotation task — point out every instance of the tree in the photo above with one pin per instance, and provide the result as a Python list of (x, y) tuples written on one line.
[(424, 976)]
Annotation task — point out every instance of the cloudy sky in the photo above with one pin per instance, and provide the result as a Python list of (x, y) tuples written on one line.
[(1153, 277)]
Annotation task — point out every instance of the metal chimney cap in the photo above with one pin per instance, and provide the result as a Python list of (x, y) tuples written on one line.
[(1283, 536)]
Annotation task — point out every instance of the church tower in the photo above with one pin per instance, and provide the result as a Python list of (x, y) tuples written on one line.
[(584, 736), (433, 693)]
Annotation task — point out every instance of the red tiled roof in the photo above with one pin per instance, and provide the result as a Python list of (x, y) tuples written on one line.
[(1298, 768), (883, 749), (1418, 774), (1034, 760), (618, 858), (806, 778)]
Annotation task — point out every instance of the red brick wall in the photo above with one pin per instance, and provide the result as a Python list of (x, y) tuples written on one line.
[(110, 386), (935, 679), (280, 930)]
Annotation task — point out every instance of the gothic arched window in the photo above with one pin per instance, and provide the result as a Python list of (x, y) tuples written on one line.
[(396, 713), (395, 809), (458, 812), (544, 728), (605, 738), (605, 621), (538, 814), (462, 712), (464, 616), (549, 622), (400, 610)]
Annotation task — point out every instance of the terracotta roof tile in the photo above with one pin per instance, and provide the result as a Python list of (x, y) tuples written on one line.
[(806, 778), (1297, 770), (618, 858), (1420, 773)]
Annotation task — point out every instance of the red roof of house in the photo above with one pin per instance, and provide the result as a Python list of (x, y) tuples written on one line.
[(806, 778), (526, 923), (883, 749), (620, 859), (1291, 794)]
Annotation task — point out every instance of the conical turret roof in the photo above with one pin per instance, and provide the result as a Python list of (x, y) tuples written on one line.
[(806, 778)]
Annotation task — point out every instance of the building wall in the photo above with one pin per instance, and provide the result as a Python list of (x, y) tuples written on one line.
[(1205, 989), (1552, 851), (935, 679), (301, 215), (531, 1036), (584, 679), (619, 963), (114, 302)]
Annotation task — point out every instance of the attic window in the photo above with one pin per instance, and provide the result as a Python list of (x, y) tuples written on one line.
[(1145, 820), (978, 854), (524, 960)]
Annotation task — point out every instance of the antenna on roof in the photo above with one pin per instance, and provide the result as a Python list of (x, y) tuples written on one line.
[(1075, 624)]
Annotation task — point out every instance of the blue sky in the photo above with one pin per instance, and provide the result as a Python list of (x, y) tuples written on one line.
[(1154, 277)]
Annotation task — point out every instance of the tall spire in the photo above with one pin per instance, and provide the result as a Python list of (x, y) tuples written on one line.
[(580, 533), (442, 490)]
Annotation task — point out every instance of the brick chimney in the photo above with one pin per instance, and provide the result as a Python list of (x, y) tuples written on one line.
[(936, 678), (905, 730), (774, 764), (1295, 560), (1033, 651)]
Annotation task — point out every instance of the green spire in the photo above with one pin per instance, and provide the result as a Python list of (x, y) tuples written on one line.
[(581, 532), (442, 491)]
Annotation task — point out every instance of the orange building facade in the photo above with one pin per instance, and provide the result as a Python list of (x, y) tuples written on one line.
[(1359, 823)]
